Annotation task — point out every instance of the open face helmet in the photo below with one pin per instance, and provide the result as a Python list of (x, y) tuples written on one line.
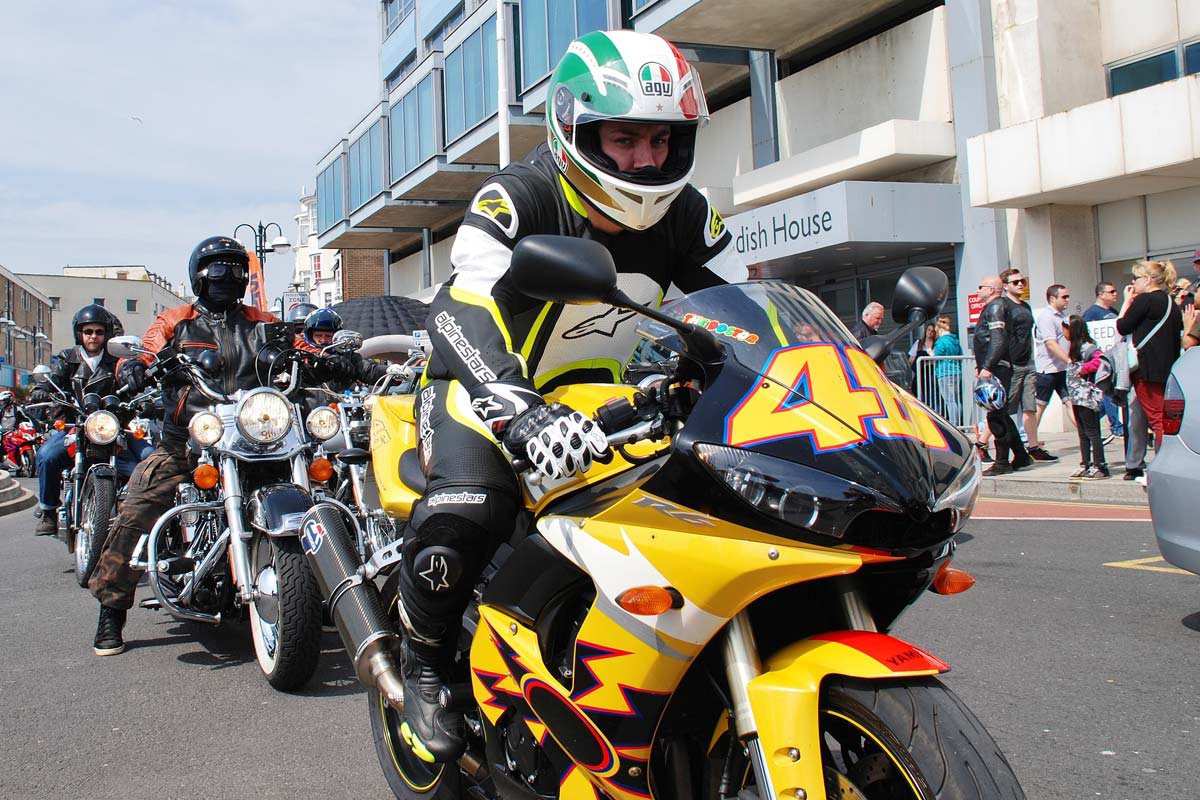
[(92, 314), (323, 320), (990, 394), (623, 76)]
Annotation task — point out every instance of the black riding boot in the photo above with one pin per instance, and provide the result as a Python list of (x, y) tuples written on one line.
[(108, 632), (435, 733)]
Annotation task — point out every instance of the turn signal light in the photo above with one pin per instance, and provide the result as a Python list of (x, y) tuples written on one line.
[(139, 433), (59, 425), (649, 601), (205, 476), (320, 470), (952, 581)]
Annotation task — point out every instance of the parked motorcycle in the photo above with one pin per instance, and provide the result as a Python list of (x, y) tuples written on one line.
[(704, 615), (92, 486), (22, 443), (230, 542)]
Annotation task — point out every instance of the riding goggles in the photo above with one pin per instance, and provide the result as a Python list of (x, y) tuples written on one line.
[(219, 270)]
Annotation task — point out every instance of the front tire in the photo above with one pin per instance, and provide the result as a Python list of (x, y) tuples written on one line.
[(407, 776), (96, 515), (285, 620)]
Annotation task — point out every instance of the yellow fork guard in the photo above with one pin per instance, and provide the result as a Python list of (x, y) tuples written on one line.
[(786, 698)]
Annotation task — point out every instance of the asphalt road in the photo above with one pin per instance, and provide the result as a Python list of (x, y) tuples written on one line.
[(1084, 673)]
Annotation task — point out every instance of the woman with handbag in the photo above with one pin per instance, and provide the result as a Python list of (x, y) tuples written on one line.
[(1154, 325)]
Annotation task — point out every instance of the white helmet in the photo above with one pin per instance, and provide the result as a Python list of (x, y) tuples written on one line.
[(623, 75)]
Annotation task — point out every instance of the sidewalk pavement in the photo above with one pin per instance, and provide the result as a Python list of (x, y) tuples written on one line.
[(1050, 481)]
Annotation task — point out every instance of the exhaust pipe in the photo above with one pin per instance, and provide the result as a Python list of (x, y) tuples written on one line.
[(354, 603)]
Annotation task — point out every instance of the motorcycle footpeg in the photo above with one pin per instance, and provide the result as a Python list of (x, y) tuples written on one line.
[(176, 565), (456, 697), (151, 603)]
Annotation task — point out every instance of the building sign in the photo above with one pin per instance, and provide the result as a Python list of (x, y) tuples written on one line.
[(790, 226), (974, 309), (291, 300)]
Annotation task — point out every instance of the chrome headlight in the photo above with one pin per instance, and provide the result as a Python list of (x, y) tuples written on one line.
[(790, 492), (323, 423), (960, 496), (101, 427), (265, 416), (206, 428)]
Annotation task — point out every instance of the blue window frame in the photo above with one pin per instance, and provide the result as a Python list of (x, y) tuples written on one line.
[(1191, 59), (548, 26), (330, 206), (395, 11), (412, 129), (471, 81), (638, 5), (366, 166), (1158, 68)]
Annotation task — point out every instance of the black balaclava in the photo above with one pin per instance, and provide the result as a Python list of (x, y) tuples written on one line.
[(222, 291)]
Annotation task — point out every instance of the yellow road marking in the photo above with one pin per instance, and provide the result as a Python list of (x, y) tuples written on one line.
[(1144, 564)]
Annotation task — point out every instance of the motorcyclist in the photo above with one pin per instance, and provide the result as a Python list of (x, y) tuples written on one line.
[(298, 314), (219, 273), (83, 369), (346, 368), (615, 170)]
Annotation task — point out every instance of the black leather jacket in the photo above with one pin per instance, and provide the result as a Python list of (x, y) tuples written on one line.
[(72, 374), (237, 337)]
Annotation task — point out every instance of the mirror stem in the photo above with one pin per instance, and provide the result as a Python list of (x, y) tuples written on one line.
[(880, 347), (698, 344)]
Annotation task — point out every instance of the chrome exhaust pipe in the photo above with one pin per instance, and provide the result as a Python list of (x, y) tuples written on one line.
[(368, 634)]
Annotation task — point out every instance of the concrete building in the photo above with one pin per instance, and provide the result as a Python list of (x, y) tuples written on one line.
[(132, 292), (316, 272), (847, 140), (26, 326)]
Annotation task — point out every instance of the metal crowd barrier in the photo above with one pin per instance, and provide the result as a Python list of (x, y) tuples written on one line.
[(947, 385)]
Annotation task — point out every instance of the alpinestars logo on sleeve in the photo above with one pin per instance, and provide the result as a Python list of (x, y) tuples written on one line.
[(493, 203)]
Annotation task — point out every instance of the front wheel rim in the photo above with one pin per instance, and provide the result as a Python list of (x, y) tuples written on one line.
[(264, 611), (854, 755), (83, 536)]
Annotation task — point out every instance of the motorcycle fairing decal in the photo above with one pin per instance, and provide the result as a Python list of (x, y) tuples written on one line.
[(834, 395), (603, 737), (614, 571), (896, 655)]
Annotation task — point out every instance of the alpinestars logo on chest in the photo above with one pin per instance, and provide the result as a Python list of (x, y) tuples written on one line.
[(604, 324)]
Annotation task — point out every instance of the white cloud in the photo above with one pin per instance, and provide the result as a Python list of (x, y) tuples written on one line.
[(237, 100)]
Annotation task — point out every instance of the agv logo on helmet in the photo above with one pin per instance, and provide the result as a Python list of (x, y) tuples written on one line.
[(656, 80)]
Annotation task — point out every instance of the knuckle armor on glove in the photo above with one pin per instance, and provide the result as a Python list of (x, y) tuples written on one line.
[(557, 440)]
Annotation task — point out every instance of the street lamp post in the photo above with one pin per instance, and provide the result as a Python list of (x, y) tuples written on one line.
[(279, 244)]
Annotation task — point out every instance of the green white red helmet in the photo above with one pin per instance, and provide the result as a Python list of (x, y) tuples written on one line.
[(636, 77)]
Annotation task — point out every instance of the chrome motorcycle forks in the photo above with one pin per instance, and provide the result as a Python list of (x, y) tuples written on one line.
[(743, 664)]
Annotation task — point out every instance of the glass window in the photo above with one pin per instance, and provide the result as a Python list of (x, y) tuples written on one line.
[(98, 301), (489, 66), (592, 16), (329, 196), (412, 140), (1191, 59), (473, 85), (534, 60), (131, 306), (56, 302), (561, 26), (401, 72), (1140, 74), (425, 116), (396, 127), (454, 95)]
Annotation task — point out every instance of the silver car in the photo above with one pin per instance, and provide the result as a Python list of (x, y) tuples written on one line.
[(1173, 478)]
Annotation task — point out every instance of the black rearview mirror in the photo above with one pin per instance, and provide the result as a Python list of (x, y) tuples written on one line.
[(564, 269), (921, 289)]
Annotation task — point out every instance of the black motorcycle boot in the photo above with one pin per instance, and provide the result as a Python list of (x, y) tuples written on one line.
[(47, 522), (108, 632), (435, 733)]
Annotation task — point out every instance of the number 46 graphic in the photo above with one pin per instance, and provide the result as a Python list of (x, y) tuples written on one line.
[(835, 395)]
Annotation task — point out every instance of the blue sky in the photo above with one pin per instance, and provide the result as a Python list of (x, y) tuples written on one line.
[(237, 99)]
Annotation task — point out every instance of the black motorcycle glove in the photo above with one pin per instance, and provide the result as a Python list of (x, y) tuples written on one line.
[(556, 439), (133, 375)]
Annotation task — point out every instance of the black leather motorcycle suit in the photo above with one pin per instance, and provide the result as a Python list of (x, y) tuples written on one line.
[(495, 350), (72, 374), (994, 344)]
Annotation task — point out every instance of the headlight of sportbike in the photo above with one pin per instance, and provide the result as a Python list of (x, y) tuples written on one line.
[(265, 416), (795, 494), (323, 423), (101, 427), (960, 496), (206, 429)]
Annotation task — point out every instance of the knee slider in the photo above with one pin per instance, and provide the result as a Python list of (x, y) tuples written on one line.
[(437, 569)]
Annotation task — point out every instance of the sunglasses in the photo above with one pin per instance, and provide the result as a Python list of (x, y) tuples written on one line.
[(92, 332), (1064, 297), (1017, 282)]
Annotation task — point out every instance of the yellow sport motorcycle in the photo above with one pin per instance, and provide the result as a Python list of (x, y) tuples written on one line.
[(704, 615)]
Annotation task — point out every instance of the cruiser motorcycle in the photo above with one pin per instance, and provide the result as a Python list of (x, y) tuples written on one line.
[(706, 614), (93, 486), (230, 542)]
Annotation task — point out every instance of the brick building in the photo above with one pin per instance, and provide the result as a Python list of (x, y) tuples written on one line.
[(25, 329)]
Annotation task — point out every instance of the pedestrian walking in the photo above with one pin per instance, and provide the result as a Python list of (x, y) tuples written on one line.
[(948, 371), (994, 343), (1154, 325), (1086, 398), (1022, 398), (1050, 357)]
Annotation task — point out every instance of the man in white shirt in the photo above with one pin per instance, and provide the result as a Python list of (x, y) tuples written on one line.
[(1050, 352)]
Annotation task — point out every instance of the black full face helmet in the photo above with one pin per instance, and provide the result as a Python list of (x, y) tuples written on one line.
[(92, 314), (298, 314), (219, 260)]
